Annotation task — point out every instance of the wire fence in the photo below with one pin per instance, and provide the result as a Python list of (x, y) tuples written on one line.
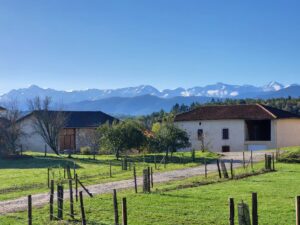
[(109, 170), (69, 204)]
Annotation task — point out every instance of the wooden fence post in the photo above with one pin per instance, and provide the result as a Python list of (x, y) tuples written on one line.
[(134, 179), (265, 161), (151, 177), (273, 161), (110, 171), (145, 180), (51, 200), (268, 162), (244, 163), (298, 210), (84, 188), (45, 151), (48, 177), (124, 211), (29, 210), (83, 220), (218, 165), (231, 168), (254, 209), (69, 172), (76, 187), (60, 201), (251, 159), (155, 164), (116, 212), (231, 211), (130, 165), (193, 155), (124, 163), (71, 199), (277, 154), (74, 169), (205, 168), (243, 214), (224, 170)]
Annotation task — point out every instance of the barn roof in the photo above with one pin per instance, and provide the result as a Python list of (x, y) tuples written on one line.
[(82, 119), (246, 112)]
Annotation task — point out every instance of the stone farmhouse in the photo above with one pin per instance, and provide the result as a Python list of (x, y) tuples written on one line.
[(79, 124), (240, 127)]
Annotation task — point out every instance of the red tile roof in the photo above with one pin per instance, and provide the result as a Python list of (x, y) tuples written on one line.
[(246, 112)]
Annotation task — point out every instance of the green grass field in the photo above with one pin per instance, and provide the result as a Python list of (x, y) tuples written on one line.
[(169, 204), (20, 177), (188, 201), (198, 205)]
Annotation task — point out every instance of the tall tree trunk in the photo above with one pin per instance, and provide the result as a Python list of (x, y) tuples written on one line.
[(117, 154), (167, 155)]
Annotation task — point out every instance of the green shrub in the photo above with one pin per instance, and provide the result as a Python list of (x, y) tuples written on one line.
[(290, 155), (86, 150)]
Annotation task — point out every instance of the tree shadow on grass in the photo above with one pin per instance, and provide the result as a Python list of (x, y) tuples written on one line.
[(88, 159), (177, 159), (36, 162)]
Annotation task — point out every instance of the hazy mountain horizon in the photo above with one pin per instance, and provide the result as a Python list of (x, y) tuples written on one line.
[(145, 99)]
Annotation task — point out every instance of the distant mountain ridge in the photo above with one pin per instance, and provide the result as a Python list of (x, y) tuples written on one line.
[(148, 98), (218, 90)]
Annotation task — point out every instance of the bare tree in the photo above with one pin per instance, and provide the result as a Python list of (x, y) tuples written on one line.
[(10, 129), (90, 138), (204, 142), (47, 123)]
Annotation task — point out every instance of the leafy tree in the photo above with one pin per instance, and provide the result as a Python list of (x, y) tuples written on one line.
[(171, 138), (112, 137), (134, 134), (122, 136)]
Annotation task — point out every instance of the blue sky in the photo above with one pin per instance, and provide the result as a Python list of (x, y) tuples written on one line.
[(166, 43)]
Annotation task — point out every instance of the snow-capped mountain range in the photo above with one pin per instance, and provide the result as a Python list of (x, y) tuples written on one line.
[(93, 97), (218, 90)]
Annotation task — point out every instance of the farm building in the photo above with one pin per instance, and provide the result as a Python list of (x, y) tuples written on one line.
[(240, 127), (77, 127)]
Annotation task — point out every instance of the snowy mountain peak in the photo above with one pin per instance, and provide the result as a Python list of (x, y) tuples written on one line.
[(273, 86), (218, 90)]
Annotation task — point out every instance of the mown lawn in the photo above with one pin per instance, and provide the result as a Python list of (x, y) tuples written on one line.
[(20, 177), (203, 205)]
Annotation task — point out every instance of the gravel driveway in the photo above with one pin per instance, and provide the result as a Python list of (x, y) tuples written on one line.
[(39, 200)]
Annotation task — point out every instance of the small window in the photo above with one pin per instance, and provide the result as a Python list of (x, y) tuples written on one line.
[(226, 148), (225, 134), (200, 134)]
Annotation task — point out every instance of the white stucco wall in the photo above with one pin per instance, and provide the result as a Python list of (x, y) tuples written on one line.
[(32, 141), (288, 132), (212, 130)]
